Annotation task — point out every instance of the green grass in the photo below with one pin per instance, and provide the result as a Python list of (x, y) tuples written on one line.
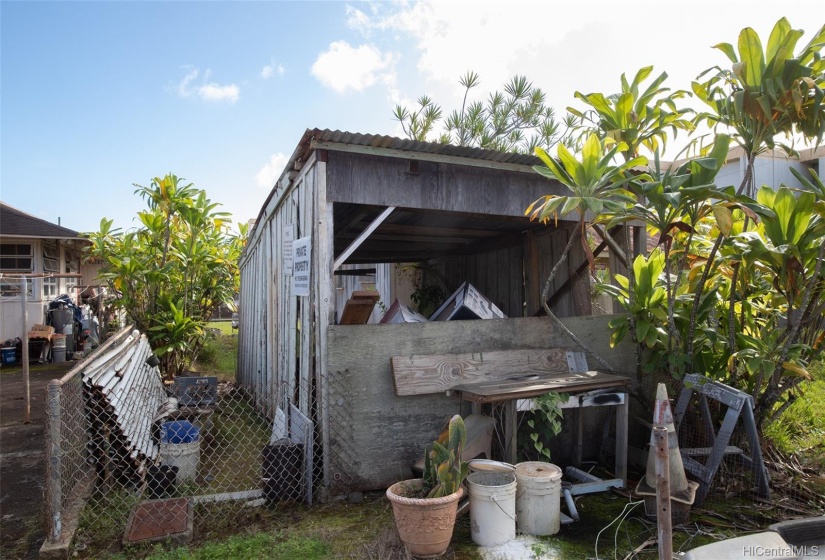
[(800, 431), (224, 326), (103, 521), (281, 531), (219, 355), (342, 530), (272, 546), (233, 456)]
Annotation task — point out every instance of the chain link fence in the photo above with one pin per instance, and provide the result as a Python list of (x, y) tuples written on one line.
[(117, 436), (739, 468)]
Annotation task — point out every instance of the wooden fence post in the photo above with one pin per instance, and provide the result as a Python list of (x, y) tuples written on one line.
[(663, 517)]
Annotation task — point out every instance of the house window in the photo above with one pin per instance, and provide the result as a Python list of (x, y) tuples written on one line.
[(72, 267), (15, 258), (51, 265)]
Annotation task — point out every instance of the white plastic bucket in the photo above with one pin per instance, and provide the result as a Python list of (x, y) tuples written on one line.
[(487, 465), (539, 498), (58, 341), (492, 507), (185, 456)]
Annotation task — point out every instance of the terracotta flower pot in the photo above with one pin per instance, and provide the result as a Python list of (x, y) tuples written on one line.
[(425, 525)]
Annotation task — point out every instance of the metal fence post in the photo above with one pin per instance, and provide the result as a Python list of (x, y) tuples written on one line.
[(54, 458), (27, 411)]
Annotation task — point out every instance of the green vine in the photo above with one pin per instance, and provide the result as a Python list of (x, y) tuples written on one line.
[(545, 424)]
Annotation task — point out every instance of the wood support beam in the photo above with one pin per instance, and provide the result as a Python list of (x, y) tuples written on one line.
[(363, 237)]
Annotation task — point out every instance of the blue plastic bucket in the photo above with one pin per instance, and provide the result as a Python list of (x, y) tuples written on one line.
[(8, 355), (179, 431)]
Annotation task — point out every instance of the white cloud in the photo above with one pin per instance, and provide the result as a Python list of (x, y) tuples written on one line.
[(216, 92), (493, 39), (343, 67), (562, 47), (207, 91), (270, 172), (183, 86), (271, 69)]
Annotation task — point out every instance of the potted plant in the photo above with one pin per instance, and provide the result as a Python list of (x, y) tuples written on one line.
[(425, 508)]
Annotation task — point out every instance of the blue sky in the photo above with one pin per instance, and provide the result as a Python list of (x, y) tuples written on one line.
[(95, 96)]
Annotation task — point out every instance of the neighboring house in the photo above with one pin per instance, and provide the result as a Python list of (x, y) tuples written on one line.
[(773, 168), (32, 246)]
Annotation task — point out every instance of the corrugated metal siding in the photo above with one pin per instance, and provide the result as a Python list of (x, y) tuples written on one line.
[(126, 393)]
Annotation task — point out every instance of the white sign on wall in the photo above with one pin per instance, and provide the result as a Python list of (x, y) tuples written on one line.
[(301, 267), (287, 250)]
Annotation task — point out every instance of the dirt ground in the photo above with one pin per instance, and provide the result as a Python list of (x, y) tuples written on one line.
[(22, 459)]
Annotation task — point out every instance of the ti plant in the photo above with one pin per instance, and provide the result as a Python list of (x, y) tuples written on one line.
[(444, 471)]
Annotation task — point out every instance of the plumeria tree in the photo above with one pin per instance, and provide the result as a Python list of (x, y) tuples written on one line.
[(173, 271)]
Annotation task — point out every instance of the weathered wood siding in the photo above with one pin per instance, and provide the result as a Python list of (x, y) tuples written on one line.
[(376, 436), (367, 179), (514, 277), (291, 351), (277, 329)]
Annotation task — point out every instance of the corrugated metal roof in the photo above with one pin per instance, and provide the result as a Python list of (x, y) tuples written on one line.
[(16, 222), (435, 148)]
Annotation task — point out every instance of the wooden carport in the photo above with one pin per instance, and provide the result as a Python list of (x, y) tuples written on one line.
[(367, 202)]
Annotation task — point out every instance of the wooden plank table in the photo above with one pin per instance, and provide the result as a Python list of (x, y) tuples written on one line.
[(434, 373), (509, 389), (532, 385)]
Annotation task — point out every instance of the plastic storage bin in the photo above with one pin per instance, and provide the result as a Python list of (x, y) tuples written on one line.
[(9, 355)]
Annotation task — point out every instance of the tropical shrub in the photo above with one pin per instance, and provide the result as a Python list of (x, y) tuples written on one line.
[(735, 286), (171, 273)]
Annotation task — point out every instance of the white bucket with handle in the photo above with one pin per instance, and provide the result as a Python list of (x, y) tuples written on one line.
[(492, 507)]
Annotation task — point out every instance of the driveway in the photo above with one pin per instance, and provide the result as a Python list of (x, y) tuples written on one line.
[(21, 459)]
